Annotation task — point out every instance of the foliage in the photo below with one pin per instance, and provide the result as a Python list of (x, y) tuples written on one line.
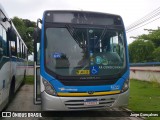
[(141, 51), (146, 47), (156, 54), (25, 28), (153, 36)]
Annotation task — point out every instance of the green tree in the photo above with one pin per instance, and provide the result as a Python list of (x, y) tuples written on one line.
[(152, 53), (153, 36), (25, 28), (141, 51), (156, 54)]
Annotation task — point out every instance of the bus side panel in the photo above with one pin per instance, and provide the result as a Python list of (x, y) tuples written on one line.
[(18, 72), (14, 70), (4, 82)]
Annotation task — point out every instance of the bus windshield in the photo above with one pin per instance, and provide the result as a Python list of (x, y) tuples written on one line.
[(84, 51)]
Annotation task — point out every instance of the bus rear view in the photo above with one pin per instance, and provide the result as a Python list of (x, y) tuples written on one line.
[(81, 61)]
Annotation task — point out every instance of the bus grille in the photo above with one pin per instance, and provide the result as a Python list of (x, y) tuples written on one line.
[(89, 82), (79, 104)]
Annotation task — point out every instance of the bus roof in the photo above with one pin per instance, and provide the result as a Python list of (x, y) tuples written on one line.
[(81, 17), (6, 15), (81, 11)]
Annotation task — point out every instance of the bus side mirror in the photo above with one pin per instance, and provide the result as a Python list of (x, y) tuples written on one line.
[(37, 35), (37, 32)]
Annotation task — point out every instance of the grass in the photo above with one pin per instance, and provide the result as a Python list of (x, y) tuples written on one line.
[(144, 96), (29, 80)]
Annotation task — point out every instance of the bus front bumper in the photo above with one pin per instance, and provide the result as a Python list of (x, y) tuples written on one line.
[(54, 103)]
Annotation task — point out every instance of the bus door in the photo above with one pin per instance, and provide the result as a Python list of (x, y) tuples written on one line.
[(37, 96)]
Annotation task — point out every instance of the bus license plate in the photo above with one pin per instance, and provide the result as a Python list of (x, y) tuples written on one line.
[(91, 102)]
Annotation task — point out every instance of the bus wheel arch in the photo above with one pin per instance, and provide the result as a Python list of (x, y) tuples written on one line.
[(12, 89)]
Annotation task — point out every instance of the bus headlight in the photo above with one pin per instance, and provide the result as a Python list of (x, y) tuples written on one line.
[(125, 86), (49, 88)]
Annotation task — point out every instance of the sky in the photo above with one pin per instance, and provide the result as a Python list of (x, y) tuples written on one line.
[(129, 10)]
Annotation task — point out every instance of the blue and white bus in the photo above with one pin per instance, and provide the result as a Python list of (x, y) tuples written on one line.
[(81, 61), (13, 59)]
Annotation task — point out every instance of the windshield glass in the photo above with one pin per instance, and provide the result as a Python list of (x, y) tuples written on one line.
[(84, 51)]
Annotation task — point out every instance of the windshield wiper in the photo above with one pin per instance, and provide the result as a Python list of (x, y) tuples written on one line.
[(103, 33)]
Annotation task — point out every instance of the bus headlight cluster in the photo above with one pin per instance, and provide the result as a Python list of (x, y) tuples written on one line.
[(125, 86), (49, 88)]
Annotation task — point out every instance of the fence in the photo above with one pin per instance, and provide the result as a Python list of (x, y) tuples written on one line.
[(145, 71), (30, 70)]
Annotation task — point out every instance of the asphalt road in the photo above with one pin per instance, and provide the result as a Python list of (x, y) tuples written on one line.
[(23, 101)]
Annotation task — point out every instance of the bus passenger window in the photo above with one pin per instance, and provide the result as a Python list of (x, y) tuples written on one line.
[(22, 50), (26, 57), (18, 48), (3, 42), (13, 48)]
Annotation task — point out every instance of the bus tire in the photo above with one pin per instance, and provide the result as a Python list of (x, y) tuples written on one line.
[(12, 89)]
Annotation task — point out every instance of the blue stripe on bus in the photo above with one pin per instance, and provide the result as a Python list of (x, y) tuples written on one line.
[(119, 83), (42, 50), (7, 59), (58, 85)]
